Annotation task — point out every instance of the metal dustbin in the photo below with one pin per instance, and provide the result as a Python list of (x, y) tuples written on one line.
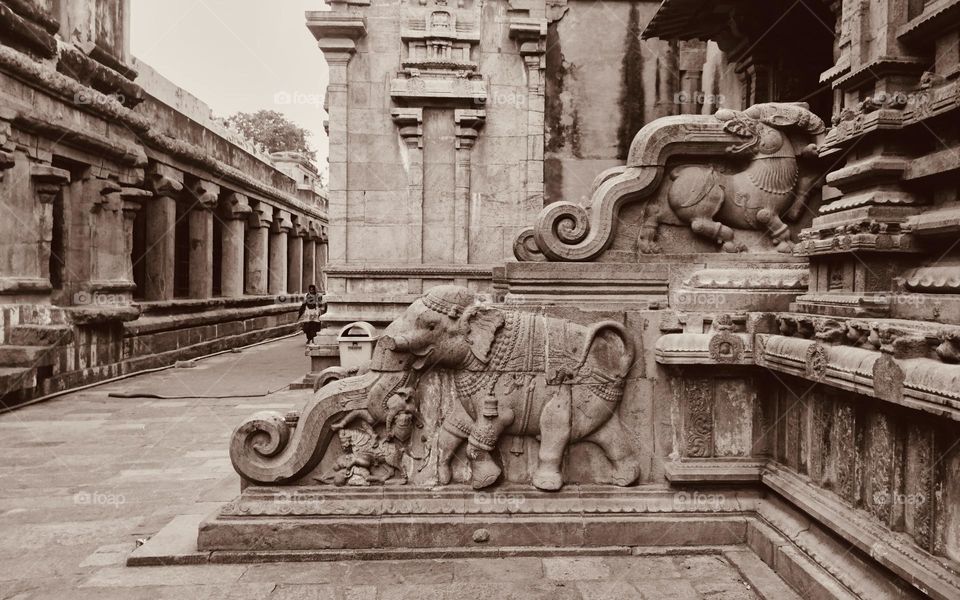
[(356, 342)]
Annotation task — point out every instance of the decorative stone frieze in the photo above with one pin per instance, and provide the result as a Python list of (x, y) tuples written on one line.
[(438, 64)]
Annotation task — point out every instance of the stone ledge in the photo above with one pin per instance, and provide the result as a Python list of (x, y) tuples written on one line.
[(902, 557), (716, 470), (161, 323)]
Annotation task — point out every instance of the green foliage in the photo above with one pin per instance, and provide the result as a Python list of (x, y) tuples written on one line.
[(272, 132)]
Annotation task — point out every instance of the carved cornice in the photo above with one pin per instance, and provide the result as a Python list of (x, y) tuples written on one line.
[(936, 279), (418, 271)]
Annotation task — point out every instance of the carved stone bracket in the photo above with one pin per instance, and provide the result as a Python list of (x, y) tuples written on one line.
[(235, 206), (261, 216), (203, 195), (282, 223), (409, 122), (47, 181), (468, 123)]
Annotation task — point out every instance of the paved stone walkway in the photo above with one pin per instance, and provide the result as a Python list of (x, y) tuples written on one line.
[(84, 476)]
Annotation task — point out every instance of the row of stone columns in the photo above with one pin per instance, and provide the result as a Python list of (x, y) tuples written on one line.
[(264, 250)]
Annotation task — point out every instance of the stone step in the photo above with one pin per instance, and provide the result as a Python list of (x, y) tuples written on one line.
[(25, 356), (41, 335), (16, 378)]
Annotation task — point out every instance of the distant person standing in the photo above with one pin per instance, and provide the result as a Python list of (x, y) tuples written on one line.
[(313, 307)]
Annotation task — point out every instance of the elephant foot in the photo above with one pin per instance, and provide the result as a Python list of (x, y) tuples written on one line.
[(785, 247), (444, 473), (623, 475), (485, 472), (734, 247), (547, 479), (648, 247)]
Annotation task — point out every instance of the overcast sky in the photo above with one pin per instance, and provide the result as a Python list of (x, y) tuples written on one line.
[(237, 55)]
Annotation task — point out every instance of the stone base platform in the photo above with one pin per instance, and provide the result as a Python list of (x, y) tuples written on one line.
[(776, 527), (270, 519)]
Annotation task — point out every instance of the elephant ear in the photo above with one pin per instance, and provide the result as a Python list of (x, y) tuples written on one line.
[(480, 325)]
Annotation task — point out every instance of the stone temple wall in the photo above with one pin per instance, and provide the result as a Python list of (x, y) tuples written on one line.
[(136, 230), (452, 125)]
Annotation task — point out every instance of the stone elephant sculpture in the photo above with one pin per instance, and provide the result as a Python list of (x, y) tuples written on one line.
[(715, 199), (521, 374)]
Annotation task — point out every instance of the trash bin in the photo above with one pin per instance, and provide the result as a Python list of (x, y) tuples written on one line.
[(356, 342)]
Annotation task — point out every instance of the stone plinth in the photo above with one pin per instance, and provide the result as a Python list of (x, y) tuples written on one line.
[(303, 518)]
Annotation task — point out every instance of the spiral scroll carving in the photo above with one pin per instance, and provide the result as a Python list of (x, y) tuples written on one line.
[(268, 450), (525, 247)]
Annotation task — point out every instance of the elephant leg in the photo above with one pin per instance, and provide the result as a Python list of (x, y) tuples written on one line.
[(483, 439), (778, 230), (716, 231), (615, 442), (554, 435), (456, 428)]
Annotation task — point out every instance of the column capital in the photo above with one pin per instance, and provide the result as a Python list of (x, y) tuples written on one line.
[(164, 186), (47, 181), (530, 34), (282, 223), (314, 230), (133, 199), (203, 195), (410, 123), (336, 33), (261, 216), (107, 195), (301, 226), (469, 123), (235, 206)]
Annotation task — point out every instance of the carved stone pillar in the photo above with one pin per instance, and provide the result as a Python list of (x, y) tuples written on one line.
[(693, 56), (277, 280), (107, 242), (26, 228), (161, 220), (531, 36), (323, 258), (468, 124), (410, 123), (134, 199), (235, 211), (336, 33), (257, 237), (295, 257), (203, 200), (310, 255), (47, 182)]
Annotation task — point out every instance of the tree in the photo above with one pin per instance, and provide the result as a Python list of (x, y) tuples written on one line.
[(272, 132)]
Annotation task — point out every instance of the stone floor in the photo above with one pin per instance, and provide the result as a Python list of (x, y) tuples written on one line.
[(84, 476)]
